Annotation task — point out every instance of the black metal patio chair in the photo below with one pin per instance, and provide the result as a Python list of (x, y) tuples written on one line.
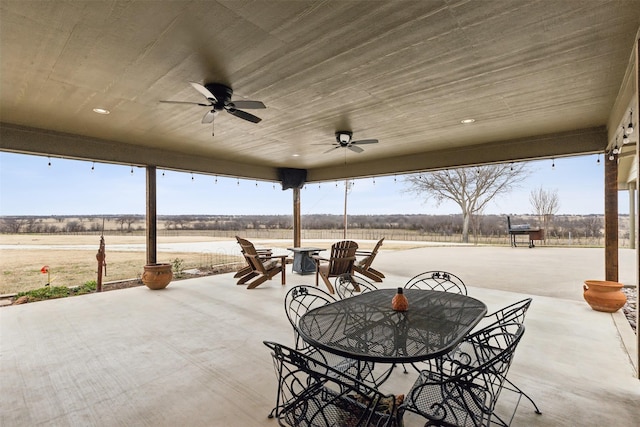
[(453, 393), (437, 281), (348, 285), (513, 313), (312, 393), (300, 299)]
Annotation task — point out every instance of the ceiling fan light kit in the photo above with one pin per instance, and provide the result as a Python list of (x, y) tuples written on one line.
[(343, 137)]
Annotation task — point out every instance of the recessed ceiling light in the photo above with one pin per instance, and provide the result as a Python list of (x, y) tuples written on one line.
[(467, 121), (101, 111), (295, 155)]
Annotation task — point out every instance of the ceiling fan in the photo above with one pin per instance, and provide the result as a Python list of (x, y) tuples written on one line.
[(343, 140), (219, 98)]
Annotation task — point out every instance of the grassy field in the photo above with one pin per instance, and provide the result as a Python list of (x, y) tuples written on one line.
[(20, 265), (72, 267)]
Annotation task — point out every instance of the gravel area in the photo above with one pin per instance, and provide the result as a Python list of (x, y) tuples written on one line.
[(629, 308)]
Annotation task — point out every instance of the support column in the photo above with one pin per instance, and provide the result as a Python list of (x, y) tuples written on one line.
[(152, 231), (296, 217), (637, 108), (611, 219), (632, 215)]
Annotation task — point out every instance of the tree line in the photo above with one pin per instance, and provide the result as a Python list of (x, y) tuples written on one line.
[(560, 226)]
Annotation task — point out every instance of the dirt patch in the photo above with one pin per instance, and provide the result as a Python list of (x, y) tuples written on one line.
[(190, 274), (131, 283)]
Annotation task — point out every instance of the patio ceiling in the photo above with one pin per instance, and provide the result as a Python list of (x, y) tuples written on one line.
[(540, 78)]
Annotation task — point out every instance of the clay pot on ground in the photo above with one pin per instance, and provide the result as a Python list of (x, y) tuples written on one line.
[(157, 276), (603, 295)]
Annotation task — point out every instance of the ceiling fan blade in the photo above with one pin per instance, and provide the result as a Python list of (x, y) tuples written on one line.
[(243, 115), (187, 102), (355, 149), (331, 149), (366, 141), (248, 105), (204, 91), (209, 116)]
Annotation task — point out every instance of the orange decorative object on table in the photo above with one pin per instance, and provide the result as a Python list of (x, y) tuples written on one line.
[(399, 301)]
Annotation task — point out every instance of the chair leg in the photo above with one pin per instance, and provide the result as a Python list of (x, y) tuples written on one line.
[(257, 282), (244, 270), (368, 274), (246, 278), (518, 390), (376, 272), (328, 284)]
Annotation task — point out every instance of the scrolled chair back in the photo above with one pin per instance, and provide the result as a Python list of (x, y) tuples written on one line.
[(437, 281), (312, 393), (298, 301), (348, 285)]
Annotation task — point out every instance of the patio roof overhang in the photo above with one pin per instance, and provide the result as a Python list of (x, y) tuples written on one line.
[(540, 81)]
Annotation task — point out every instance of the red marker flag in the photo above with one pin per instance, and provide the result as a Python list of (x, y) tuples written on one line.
[(44, 269)]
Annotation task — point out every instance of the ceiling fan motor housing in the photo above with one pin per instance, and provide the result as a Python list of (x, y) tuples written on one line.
[(222, 93)]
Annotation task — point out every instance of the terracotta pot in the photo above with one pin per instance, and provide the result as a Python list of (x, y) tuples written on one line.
[(604, 295), (157, 276)]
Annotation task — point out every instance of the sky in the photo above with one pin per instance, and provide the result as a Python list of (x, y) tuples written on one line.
[(30, 186)]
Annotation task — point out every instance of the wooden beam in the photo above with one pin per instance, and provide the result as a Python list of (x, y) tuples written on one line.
[(296, 217), (611, 219), (577, 142), (637, 212), (26, 140), (152, 230)]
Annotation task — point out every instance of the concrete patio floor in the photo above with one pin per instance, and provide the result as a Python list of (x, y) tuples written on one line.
[(192, 354)]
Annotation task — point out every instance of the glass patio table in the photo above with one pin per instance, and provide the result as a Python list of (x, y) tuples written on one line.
[(366, 328)]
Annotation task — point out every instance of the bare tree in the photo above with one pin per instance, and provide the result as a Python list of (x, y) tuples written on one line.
[(13, 225), (470, 188), (545, 204)]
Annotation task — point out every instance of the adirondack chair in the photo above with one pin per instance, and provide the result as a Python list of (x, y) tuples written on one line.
[(263, 268), (247, 269), (343, 256), (363, 266)]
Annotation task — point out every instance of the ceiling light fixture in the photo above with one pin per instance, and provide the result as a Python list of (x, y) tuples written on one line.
[(629, 129), (616, 150), (467, 121), (343, 137), (101, 111)]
